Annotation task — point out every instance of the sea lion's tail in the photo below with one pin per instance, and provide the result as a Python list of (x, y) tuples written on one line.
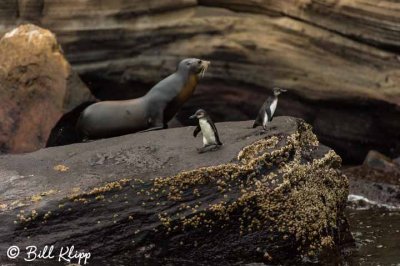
[(64, 132)]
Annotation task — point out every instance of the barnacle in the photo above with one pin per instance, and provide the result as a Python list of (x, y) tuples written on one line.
[(277, 190)]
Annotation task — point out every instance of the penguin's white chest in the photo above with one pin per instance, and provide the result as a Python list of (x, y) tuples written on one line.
[(208, 132), (273, 106), (272, 109)]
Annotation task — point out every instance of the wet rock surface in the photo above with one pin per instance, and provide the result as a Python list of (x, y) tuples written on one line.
[(376, 183), (37, 85), (275, 197)]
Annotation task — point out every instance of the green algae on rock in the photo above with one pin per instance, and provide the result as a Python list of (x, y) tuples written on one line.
[(274, 197)]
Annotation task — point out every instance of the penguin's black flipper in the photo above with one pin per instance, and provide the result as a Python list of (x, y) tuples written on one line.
[(217, 139), (264, 110), (215, 132), (196, 131), (270, 119), (256, 122), (260, 115)]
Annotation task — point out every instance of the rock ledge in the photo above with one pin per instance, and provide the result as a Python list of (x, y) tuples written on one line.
[(275, 198)]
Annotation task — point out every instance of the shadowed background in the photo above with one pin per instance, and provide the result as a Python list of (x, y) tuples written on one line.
[(338, 59)]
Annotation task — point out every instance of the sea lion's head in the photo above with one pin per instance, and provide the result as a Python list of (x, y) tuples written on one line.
[(193, 66), (278, 91)]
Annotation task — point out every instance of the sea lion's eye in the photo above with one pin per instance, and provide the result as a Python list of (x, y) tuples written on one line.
[(188, 63)]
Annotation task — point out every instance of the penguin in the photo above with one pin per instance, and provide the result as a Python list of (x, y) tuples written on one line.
[(268, 109), (210, 134)]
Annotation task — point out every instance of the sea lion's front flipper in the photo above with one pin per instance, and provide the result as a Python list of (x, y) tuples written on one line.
[(152, 129)]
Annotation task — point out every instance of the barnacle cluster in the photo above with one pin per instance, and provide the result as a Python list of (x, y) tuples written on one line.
[(274, 185), (39, 197), (24, 217), (79, 197), (98, 192)]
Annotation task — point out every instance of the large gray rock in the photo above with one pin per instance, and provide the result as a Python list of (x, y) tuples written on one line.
[(37, 86), (397, 161), (377, 161), (275, 197)]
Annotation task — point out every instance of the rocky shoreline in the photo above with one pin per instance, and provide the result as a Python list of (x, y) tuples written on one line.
[(151, 195)]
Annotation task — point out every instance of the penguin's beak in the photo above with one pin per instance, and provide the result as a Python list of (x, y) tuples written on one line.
[(192, 116)]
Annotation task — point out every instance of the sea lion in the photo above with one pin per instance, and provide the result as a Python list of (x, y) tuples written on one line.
[(150, 112)]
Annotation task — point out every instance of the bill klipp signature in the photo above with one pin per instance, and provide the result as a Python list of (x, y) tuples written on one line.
[(63, 254)]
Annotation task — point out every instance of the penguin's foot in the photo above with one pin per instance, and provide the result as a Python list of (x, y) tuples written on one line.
[(209, 148), (262, 131), (272, 128)]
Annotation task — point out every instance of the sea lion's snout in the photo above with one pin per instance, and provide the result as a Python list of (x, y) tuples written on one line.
[(204, 63), (203, 67), (194, 66)]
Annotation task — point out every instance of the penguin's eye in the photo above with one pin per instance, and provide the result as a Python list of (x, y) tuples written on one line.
[(188, 63), (199, 62)]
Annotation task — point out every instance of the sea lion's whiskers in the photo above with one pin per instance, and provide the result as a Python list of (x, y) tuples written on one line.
[(203, 71)]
